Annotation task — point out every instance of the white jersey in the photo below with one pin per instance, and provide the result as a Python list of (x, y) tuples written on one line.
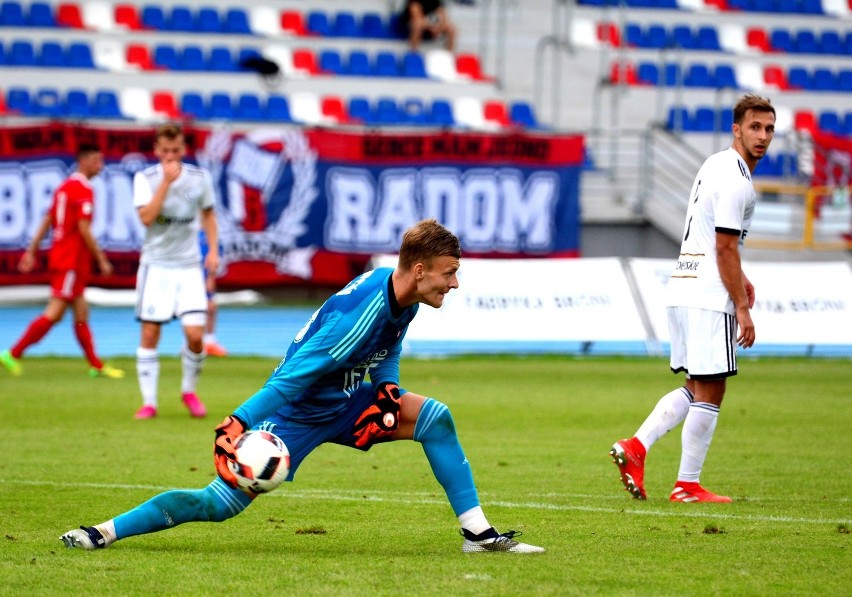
[(722, 200), (172, 239)]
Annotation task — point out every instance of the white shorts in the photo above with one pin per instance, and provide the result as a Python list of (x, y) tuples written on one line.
[(703, 342), (164, 293)]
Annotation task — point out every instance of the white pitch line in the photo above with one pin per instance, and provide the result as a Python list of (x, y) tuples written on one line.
[(356, 495)]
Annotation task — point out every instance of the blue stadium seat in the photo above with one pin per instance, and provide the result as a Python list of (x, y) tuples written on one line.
[(373, 26), (806, 42), (166, 57), (830, 122), (522, 113), (682, 37), (648, 73), (385, 64), (413, 111), (318, 24), (221, 59), (79, 55), (237, 21), (387, 112), (831, 43), (278, 108), (678, 119), (192, 104), (358, 64), (77, 104), (799, 78), (698, 75), (704, 120), (811, 7), (18, 99), (221, 107), (441, 113), (207, 20), (847, 124), (21, 53), (844, 80), (634, 37), (345, 25), (249, 107), (48, 102), (51, 55), (707, 39), (672, 75), (105, 104), (359, 109), (181, 20), (413, 65), (12, 14), (153, 17), (331, 62), (725, 76), (247, 53), (192, 58), (781, 40), (823, 79), (41, 15), (656, 37)]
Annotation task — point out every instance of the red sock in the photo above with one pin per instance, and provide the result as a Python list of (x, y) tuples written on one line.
[(36, 331), (84, 337)]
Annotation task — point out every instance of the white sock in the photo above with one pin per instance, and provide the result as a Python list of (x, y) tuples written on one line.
[(698, 428), (670, 412), (107, 529), (474, 521), (192, 364), (148, 373)]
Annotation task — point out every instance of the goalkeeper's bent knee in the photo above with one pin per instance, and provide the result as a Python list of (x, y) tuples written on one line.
[(433, 421)]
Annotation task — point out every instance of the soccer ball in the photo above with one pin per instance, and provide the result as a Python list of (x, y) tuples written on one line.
[(262, 461)]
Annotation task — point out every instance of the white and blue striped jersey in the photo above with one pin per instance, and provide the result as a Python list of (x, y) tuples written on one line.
[(354, 335)]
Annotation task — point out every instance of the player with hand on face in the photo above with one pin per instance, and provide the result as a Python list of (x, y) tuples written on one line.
[(708, 303), (319, 393)]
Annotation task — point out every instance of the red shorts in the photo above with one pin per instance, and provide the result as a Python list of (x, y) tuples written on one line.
[(68, 284)]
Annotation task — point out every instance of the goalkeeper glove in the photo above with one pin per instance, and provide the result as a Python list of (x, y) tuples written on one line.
[(223, 450), (380, 419)]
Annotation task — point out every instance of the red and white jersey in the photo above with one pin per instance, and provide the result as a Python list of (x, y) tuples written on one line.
[(722, 200), (73, 201)]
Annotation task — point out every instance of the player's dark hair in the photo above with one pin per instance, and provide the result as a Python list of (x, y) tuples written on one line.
[(750, 101), (426, 240), (84, 149), (170, 131)]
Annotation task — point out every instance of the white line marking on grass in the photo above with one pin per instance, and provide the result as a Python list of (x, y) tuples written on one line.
[(370, 495)]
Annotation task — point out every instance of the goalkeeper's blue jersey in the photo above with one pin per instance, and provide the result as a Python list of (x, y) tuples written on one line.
[(352, 336)]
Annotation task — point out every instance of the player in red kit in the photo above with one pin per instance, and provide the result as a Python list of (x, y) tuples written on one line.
[(70, 264)]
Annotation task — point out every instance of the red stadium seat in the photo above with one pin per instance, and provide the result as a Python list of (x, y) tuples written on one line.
[(292, 22), (468, 65), (164, 102), (774, 75), (623, 73), (139, 56), (608, 34), (495, 111), (333, 107), (804, 120), (305, 61), (758, 38), (68, 14), (127, 16)]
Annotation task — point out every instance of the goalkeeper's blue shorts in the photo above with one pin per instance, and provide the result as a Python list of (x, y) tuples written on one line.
[(301, 438)]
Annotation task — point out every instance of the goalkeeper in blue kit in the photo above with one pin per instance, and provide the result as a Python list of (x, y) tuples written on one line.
[(319, 393)]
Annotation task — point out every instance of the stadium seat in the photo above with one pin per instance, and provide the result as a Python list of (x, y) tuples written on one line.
[(495, 112), (757, 39), (181, 20), (806, 42), (799, 78), (166, 58), (698, 75), (4, 109), (281, 56), (413, 65), (707, 38), (165, 104), (79, 55), (153, 18), (68, 14), (623, 73), (192, 59), (656, 37), (847, 124), (704, 120), (634, 36), (358, 64), (18, 100), (278, 108), (237, 22), (780, 40), (441, 65), (106, 104), (648, 73), (292, 22), (221, 60), (413, 111), (830, 121), (305, 108), (332, 107), (724, 76), (21, 53), (304, 62), (607, 33), (468, 112), (127, 16), (387, 112), (207, 20), (441, 113), (265, 20), (330, 62), (221, 107), (135, 103), (844, 80), (682, 37), (385, 64), (249, 107), (678, 119), (804, 120), (192, 105), (823, 79), (51, 55), (360, 111), (673, 75), (373, 26), (40, 15), (345, 25), (318, 24), (48, 102), (467, 65), (732, 38), (139, 56), (12, 14), (774, 75), (831, 43)]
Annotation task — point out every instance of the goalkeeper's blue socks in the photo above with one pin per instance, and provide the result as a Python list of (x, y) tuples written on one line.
[(436, 431), (214, 503)]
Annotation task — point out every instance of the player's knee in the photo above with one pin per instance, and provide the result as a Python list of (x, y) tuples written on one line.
[(218, 502), (434, 421)]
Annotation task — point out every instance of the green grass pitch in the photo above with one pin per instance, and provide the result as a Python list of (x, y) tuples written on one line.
[(536, 431)]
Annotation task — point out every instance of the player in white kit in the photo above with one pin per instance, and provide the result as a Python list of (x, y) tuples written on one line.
[(708, 302), (172, 198)]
